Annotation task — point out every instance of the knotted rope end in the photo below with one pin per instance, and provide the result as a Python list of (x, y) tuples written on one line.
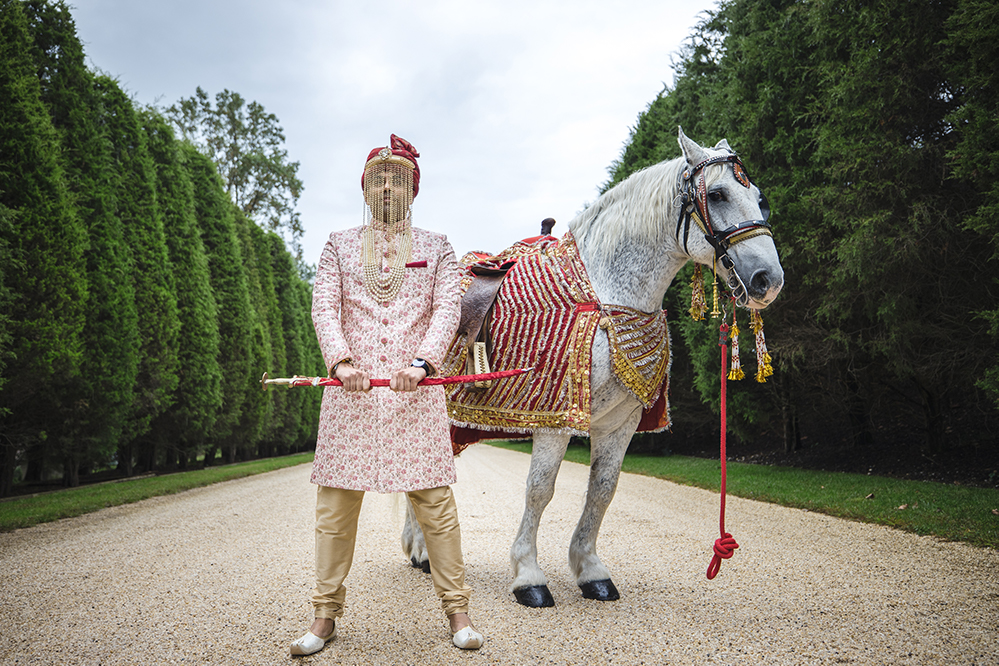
[(724, 549)]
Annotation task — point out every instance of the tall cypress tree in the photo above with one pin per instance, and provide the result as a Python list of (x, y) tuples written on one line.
[(46, 275), (215, 217), (7, 449), (151, 276), (313, 364), (869, 127), (972, 49), (258, 406), (776, 133), (906, 279), (290, 307), (269, 311), (97, 400), (180, 433), (6, 226)]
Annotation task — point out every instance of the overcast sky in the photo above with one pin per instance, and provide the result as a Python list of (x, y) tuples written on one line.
[(518, 107)]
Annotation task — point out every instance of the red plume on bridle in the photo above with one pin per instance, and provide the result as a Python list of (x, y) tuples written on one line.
[(398, 147)]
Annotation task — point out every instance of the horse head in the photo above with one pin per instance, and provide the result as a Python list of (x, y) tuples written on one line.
[(731, 230)]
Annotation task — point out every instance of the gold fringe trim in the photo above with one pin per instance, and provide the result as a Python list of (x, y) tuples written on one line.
[(639, 345), (736, 373), (698, 306), (764, 368)]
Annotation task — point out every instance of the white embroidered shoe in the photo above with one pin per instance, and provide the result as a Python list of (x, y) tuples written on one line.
[(467, 638), (310, 643)]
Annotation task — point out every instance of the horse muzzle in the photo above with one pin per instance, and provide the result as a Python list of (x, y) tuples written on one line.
[(759, 290)]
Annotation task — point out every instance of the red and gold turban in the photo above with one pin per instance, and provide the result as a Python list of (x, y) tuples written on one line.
[(399, 151)]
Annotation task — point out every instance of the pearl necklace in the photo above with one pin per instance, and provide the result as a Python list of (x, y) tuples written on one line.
[(385, 287)]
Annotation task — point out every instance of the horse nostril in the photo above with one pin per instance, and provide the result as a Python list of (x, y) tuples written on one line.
[(759, 285)]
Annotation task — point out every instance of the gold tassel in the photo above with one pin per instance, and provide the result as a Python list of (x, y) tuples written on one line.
[(698, 306), (764, 368), (715, 312), (736, 372)]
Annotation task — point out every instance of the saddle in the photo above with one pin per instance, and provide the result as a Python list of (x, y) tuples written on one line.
[(477, 308)]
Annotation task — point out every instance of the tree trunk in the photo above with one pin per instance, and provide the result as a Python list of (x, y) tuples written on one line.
[(36, 462), (933, 419), (789, 417), (792, 434), (210, 453), (125, 465), (147, 456), (8, 458), (170, 458), (71, 472), (858, 413)]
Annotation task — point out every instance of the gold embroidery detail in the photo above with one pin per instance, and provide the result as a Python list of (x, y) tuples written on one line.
[(546, 316), (639, 344)]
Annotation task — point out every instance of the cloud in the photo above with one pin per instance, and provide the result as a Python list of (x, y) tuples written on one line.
[(518, 106)]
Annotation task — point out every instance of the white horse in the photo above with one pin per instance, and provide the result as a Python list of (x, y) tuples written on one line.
[(633, 240)]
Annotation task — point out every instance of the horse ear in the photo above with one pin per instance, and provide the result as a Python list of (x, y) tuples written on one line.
[(723, 145), (692, 152)]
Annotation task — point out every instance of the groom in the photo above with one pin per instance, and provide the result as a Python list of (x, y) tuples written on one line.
[(386, 302)]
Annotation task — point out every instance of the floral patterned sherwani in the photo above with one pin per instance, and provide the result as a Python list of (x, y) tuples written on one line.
[(385, 441)]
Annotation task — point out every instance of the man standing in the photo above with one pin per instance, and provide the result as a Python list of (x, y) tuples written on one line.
[(385, 303)]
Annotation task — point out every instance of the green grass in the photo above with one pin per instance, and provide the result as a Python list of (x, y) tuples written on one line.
[(31, 510), (950, 512)]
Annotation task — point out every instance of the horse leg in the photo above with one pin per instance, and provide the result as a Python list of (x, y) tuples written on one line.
[(607, 449), (413, 543), (530, 585)]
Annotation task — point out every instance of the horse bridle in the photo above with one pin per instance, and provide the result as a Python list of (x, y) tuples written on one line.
[(694, 206)]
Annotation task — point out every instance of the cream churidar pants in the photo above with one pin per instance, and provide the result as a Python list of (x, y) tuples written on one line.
[(337, 511)]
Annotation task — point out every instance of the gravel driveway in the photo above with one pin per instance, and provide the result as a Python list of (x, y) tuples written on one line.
[(222, 575)]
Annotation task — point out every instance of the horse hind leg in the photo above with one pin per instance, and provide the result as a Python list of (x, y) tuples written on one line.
[(607, 451), (413, 543), (530, 585)]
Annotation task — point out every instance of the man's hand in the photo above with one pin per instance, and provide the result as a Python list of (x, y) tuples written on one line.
[(407, 379), (352, 378)]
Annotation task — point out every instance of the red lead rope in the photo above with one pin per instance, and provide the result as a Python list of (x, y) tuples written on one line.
[(725, 545)]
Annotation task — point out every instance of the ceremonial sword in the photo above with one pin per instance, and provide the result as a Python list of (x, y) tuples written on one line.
[(300, 380)]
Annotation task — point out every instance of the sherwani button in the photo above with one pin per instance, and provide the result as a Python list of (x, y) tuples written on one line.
[(384, 341), (383, 358), (385, 322)]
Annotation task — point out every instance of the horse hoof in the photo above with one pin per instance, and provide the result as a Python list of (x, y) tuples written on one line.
[(425, 565), (601, 590), (534, 596)]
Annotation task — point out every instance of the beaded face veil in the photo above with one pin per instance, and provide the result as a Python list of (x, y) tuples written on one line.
[(388, 189), (390, 181)]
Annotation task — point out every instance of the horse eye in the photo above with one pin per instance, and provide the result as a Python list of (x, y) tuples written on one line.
[(716, 196), (764, 207)]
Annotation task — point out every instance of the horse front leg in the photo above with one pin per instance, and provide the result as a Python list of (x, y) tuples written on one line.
[(413, 543), (607, 449), (530, 585)]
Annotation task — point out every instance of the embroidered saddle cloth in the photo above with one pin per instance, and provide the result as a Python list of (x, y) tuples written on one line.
[(545, 317)]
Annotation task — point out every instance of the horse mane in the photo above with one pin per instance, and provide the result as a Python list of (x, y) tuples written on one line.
[(641, 209)]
